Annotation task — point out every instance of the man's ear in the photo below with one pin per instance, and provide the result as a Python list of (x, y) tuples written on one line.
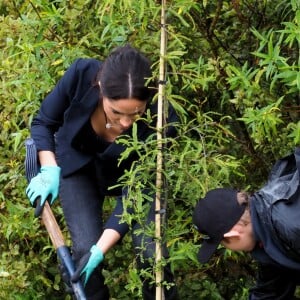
[(231, 233)]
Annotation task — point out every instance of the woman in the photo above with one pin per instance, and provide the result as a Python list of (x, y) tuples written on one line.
[(75, 132)]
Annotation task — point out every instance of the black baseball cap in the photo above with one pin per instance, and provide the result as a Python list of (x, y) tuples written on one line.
[(214, 215)]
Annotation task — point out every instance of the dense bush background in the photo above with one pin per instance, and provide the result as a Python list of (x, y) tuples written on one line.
[(233, 75)]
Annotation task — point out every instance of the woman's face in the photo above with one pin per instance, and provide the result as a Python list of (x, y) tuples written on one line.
[(122, 113), (240, 237)]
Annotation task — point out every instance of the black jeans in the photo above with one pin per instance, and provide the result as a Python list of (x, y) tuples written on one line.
[(82, 204)]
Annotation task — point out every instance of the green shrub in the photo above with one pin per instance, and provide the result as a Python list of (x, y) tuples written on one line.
[(233, 76)]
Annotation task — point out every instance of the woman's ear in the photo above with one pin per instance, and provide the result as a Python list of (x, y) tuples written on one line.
[(231, 233)]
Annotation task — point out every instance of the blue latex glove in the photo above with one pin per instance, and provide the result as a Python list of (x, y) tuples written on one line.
[(87, 264), (43, 185)]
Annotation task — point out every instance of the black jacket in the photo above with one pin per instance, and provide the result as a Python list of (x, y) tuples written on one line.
[(275, 212), (276, 224), (67, 109)]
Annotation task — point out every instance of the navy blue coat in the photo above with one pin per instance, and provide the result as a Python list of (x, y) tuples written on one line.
[(67, 109)]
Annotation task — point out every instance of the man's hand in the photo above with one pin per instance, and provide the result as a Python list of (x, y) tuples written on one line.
[(88, 264), (44, 184)]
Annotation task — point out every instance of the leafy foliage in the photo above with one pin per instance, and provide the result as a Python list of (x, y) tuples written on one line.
[(233, 76)]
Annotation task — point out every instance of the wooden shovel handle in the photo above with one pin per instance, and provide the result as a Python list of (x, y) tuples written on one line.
[(52, 227)]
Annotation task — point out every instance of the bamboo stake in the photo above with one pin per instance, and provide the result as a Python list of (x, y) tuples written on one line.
[(159, 177)]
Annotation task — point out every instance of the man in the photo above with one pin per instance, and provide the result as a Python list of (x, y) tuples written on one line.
[(236, 221)]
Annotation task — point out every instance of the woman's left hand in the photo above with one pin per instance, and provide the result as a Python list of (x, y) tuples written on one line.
[(87, 264)]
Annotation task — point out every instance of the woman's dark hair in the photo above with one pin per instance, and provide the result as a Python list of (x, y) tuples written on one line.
[(124, 74)]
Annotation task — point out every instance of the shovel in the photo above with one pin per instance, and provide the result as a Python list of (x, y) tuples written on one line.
[(48, 219)]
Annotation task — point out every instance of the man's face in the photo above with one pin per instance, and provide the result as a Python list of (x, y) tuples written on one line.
[(240, 237)]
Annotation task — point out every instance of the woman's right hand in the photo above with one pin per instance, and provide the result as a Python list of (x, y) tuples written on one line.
[(44, 185)]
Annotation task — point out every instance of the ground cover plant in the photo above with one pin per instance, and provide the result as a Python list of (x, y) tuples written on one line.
[(233, 76)]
